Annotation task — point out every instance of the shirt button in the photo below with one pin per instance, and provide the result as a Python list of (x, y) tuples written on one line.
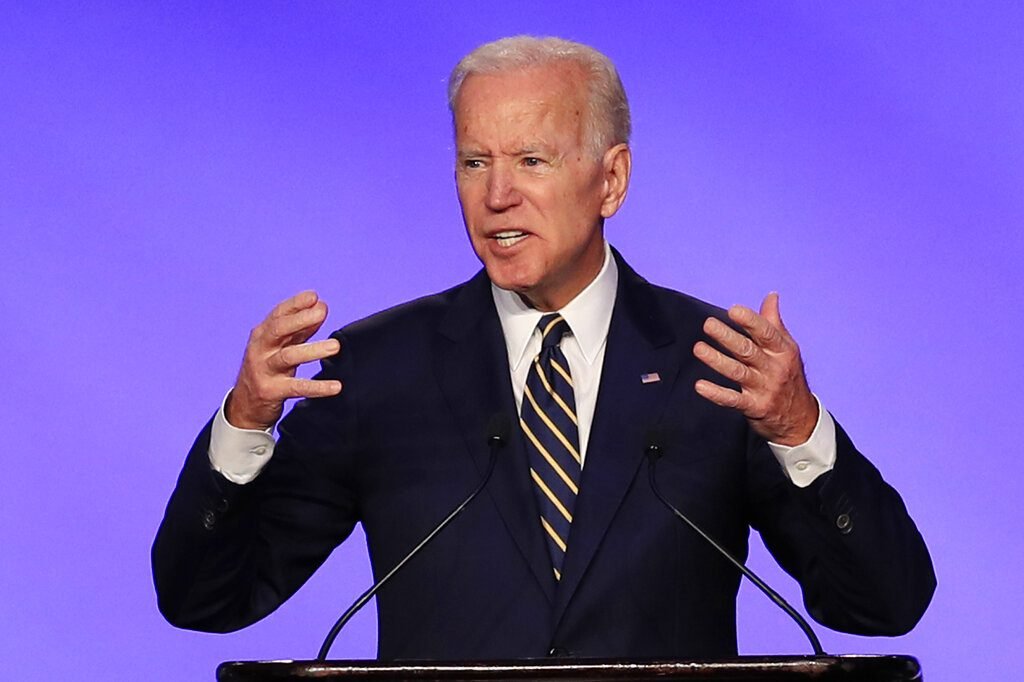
[(802, 465), (259, 450), (844, 523)]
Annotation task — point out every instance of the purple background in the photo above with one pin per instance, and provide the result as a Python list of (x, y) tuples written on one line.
[(168, 171)]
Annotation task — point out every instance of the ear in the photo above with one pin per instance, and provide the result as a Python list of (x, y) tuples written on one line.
[(618, 162)]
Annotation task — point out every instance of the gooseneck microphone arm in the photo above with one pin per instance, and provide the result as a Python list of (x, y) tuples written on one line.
[(653, 455), (497, 435)]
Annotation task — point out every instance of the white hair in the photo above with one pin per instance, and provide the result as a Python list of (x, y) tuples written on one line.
[(607, 122)]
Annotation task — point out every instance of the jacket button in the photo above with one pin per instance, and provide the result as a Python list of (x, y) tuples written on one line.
[(209, 519), (844, 523), (558, 651)]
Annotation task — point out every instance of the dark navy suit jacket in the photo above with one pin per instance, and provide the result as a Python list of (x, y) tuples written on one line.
[(405, 441)]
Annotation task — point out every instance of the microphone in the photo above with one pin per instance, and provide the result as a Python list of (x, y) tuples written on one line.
[(498, 427), (654, 453)]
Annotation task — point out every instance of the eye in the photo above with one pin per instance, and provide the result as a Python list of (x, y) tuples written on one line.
[(472, 163), (531, 161)]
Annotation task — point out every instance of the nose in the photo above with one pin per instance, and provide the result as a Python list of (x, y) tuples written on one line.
[(501, 188)]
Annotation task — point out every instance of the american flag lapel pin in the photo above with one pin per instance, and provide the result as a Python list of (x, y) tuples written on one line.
[(649, 378)]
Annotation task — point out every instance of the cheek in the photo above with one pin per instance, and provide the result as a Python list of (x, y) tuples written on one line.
[(470, 203), (462, 191), (574, 206)]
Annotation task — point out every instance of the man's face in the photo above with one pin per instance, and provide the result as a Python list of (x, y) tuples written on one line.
[(533, 197)]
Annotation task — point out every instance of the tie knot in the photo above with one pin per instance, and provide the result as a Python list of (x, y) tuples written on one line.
[(552, 328)]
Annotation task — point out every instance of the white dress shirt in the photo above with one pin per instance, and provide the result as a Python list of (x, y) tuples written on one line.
[(588, 316), (240, 454)]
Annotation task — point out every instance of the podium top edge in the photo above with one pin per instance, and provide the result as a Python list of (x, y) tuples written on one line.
[(888, 667)]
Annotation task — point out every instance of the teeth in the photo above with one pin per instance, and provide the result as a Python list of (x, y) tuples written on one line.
[(509, 237)]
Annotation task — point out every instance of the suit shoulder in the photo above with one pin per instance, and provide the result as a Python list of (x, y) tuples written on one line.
[(658, 301), (416, 316), (686, 301), (683, 309)]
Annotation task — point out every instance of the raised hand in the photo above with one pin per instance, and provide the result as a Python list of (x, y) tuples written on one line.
[(773, 394), (276, 347)]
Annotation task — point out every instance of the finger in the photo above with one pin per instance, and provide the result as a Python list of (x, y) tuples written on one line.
[(290, 357), (720, 395), (726, 366), (312, 388), (764, 333), (300, 301), (770, 311), (296, 327), (739, 346)]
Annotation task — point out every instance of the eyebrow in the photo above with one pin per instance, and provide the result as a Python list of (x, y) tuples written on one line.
[(522, 151), (470, 151)]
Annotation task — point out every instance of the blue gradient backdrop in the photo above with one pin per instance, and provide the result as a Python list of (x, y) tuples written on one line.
[(168, 171)]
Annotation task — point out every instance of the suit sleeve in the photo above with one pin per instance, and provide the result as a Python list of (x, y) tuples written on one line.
[(847, 538), (227, 555)]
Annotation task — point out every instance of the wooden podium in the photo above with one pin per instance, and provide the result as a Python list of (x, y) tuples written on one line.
[(783, 668)]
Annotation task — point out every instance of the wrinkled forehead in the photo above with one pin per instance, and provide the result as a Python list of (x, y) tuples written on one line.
[(543, 101)]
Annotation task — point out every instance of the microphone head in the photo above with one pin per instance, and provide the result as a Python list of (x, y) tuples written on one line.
[(498, 428), (653, 440)]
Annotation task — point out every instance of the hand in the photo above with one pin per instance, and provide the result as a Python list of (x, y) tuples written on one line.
[(276, 347), (773, 394)]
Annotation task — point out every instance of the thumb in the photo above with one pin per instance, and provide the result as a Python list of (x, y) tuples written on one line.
[(770, 310)]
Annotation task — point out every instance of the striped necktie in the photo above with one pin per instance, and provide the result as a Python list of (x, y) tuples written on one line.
[(548, 419)]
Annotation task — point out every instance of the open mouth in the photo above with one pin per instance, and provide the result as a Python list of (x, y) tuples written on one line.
[(509, 237)]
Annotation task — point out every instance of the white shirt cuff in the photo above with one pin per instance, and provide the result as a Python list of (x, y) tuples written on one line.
[(805, 462), (238, 454)]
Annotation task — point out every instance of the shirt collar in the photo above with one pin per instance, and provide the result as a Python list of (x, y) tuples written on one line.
[(588, 315)]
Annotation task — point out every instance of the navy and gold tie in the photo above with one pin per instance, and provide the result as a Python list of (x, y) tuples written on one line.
[(548, 419)]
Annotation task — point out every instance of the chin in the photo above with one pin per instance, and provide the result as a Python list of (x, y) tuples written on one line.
[(515, 279), (513, 285)]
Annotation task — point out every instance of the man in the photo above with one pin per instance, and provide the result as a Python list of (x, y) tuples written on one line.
[(567, 551)]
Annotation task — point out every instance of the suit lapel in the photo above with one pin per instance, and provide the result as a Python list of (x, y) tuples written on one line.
[(639, 343), (471, 366)]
